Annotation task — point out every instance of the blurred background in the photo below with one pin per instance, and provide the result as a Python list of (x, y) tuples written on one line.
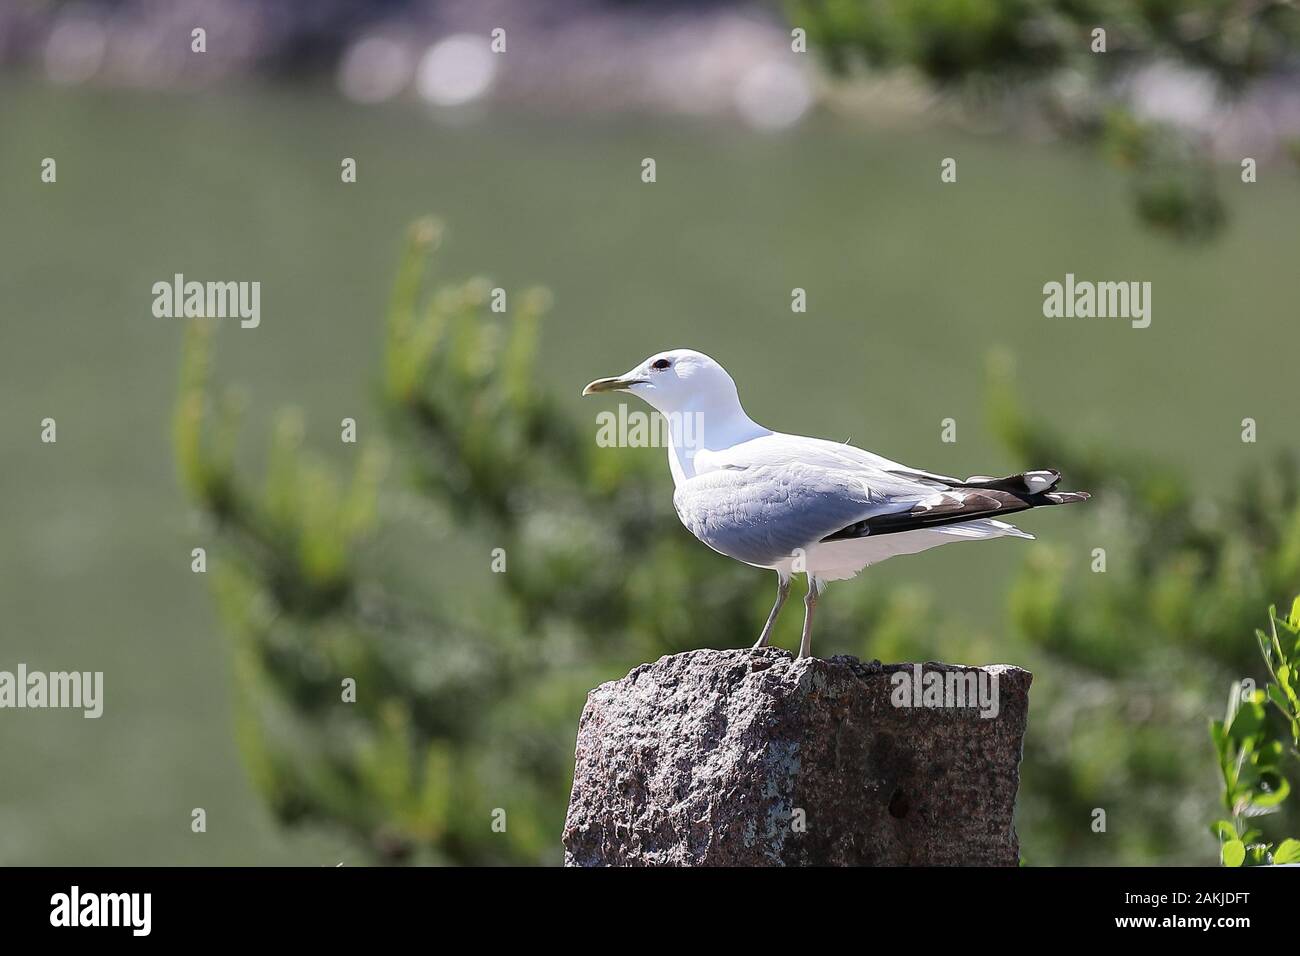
[(796, 146)]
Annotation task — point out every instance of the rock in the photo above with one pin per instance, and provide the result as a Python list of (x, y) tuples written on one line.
[(751, 758)]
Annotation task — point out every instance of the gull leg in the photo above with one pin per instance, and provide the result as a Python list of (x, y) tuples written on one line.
[(782, 592), (810, 604)]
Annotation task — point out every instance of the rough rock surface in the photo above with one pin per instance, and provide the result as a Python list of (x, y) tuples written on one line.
[(749, 757)]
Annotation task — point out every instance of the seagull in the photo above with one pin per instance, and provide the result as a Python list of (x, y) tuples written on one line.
[(799, 505)]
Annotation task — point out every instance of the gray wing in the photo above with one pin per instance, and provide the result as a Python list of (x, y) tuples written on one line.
[(760, 501), (761, 515)]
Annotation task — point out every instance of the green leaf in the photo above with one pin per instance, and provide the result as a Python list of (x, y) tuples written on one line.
[(1288, 851), (1248, 721), (1234, 701), (1265, 643), (1234, 853), (1224, 830), (1269, 755), (1294, 618), (1220, 739), (1274, 639)]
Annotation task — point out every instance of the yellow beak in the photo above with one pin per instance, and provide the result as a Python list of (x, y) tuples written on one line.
[(611, 385)]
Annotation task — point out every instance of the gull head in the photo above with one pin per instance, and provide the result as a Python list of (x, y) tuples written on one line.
[(674, 381)]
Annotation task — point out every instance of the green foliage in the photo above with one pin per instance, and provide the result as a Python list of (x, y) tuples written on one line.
[(469, 684), (956, 40), (1133, 654), (1252, 753), (1040, 53)]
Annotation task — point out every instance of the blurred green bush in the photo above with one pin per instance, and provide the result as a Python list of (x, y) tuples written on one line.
[(466, 703), (1043, 58)]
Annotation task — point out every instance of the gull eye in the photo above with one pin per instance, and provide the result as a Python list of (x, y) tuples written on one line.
[(660, 365)]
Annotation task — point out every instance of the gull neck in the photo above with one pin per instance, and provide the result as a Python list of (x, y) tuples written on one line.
[(711, 423)]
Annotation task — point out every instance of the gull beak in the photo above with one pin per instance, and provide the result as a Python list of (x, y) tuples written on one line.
[(616, 384)]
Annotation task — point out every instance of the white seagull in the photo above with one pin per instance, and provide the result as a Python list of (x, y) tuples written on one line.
[(806, 505)]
